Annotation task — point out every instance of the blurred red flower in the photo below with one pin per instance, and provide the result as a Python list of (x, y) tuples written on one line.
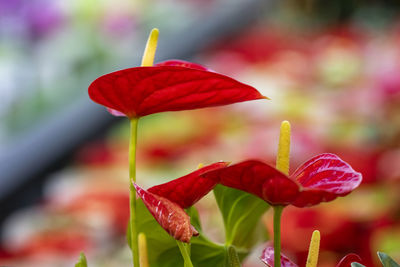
[(267, 257), (348, 259)]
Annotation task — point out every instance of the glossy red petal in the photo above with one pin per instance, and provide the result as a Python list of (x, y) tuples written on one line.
[(182, 63), (258, 178), (168, 214), (323, 178), (142, 91), (189, 189), (267, 257), (348, 259)]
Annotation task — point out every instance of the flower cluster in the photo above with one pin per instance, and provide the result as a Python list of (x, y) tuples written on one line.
[(178, 85)]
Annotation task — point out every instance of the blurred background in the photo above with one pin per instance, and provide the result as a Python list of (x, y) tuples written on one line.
[(331, 68)]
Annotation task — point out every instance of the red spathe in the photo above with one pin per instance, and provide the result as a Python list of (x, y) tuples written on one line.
[(169, 86)]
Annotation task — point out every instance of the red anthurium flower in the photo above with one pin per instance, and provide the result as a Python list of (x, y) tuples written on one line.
[(348, 259), (189, 189), (267, 257), (168, 86), (322, 178), (168, 214)]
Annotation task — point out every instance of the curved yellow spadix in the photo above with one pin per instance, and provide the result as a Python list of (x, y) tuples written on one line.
[(313, 251), (150, 50), (282, 158)]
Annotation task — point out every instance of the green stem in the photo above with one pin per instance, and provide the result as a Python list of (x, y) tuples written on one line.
[(185, 254), (233, 257), (277, 235), (132, 192)]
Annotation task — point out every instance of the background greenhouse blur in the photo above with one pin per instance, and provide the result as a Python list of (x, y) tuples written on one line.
[(331, 69), (51, 49)]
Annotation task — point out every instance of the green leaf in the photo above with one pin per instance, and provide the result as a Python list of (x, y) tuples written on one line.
[(241, 213), (194, 217), (356, 264), (82, 261), (163, 250), (386, 260)]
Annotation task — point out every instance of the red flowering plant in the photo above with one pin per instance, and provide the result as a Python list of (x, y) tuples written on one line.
[(168, 86), (322, 178), (243, 191)]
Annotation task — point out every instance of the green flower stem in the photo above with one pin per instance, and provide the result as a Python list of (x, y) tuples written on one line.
[(277, 235), (233, 257), (185, 253), (132, 191)]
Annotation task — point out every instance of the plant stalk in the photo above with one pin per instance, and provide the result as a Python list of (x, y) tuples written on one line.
[(185, 254), (144, 261), (132, 191), (277, 235), (233, 257)]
